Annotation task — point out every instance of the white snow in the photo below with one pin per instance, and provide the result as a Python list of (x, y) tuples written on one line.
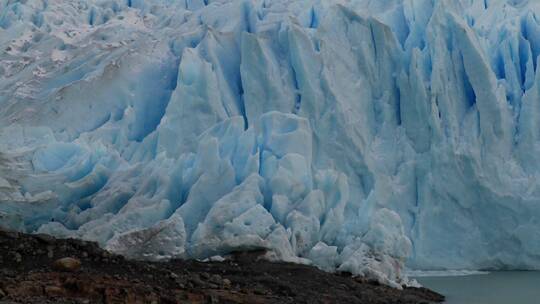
[(356, 135)]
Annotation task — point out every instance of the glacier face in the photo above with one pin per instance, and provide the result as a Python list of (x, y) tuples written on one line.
[(352, 134)]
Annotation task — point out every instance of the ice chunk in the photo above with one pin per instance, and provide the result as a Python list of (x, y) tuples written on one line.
[(164, 240), (324, 256)]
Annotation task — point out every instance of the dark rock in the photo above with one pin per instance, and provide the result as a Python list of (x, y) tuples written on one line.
[(11, 234), (216, 279), (125, 281), (17, 257), (54, 291), (50, 252), (214, 299), (67, 264), (196, 281), (205, 275), (45, 238)]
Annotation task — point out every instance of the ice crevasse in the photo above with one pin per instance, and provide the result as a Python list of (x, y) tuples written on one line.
[(359, 136)]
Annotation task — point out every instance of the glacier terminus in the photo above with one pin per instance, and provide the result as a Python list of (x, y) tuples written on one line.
[(365, 136)]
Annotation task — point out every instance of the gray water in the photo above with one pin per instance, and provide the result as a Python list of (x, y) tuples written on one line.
[(511, 287)]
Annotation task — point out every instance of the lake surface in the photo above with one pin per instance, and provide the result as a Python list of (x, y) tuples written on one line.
[(511, 287)]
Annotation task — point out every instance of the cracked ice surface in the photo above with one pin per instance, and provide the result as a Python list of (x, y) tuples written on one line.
[(354, 135)]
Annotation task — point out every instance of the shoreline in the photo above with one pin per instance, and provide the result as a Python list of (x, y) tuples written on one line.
[(32, 271), (444, 273)]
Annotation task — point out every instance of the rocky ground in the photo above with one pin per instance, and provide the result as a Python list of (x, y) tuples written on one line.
[(41, 269)]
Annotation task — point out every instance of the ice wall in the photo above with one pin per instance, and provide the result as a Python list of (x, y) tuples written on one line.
[(354, 135)]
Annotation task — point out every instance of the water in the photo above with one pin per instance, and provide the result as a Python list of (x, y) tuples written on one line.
[(512, 287)]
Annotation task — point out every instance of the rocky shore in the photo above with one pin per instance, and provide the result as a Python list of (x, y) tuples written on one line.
[(42, 269)]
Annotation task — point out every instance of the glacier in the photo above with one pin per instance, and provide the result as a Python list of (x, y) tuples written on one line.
[(355, 135)]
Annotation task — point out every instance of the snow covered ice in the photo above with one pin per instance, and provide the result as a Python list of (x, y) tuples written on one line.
[(356, 135)]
